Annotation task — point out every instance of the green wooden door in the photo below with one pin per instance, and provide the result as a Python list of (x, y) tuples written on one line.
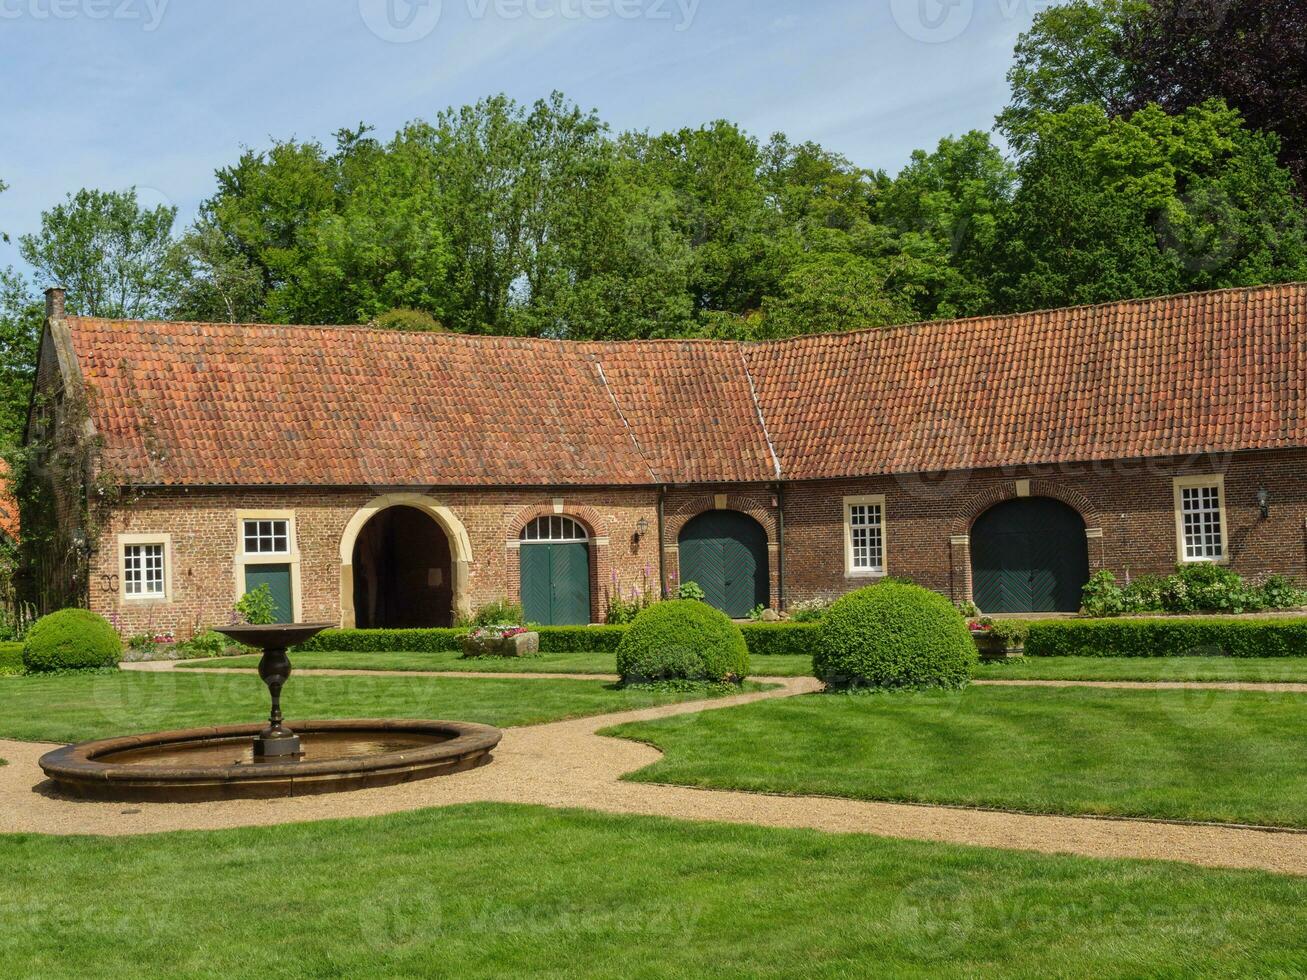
[(726, 553), (1029, 555), (556, 583), (277, 579)]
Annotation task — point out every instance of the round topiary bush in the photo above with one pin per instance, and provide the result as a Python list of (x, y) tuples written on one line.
[(682, 639), (71, 639), (894, 635)]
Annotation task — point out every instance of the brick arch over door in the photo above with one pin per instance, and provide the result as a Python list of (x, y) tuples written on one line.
[(977, 504), (600, 553), (680, 511), (965, 516), (460, 548)]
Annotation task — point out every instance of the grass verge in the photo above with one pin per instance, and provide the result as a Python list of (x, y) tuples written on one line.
[(76, 707), (772, 665), (1197, 755), (1260, 669), (492, 890)]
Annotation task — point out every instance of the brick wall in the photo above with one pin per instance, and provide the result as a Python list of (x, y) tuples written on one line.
[(1127, 508), (928, 519), (203, 530)]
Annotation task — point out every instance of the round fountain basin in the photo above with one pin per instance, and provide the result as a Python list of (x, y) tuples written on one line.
[(219, 763)]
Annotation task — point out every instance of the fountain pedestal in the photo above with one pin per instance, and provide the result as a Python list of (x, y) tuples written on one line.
[(276, 743)]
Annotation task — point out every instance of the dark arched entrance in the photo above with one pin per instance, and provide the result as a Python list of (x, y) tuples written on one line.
[(402, 572), (1029, 555), (726, 553)]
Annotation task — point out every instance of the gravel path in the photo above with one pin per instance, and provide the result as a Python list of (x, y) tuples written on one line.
[(566, 764)]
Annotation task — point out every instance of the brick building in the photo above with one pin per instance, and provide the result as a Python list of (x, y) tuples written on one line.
[(378, 478)]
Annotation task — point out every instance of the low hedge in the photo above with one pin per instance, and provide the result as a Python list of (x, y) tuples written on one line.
[(762, 639), (766, 639), (71, 639), (1168, 637)]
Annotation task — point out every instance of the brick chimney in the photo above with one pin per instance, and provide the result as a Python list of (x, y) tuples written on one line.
[(54, 303)]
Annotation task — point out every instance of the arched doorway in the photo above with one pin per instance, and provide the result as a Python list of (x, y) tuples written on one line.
[(555, 560), (726, 553), (1029, 555), (403, 572)]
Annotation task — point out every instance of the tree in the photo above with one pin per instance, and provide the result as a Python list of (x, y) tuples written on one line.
[(944, 210), (1070, 56), (22, 318), (833, 292), (1111, 209), (115, 257), (1252, 54), (215, 281)]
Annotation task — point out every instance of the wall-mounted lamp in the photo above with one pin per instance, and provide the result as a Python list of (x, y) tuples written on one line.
[(1264, 502), (641, 529)]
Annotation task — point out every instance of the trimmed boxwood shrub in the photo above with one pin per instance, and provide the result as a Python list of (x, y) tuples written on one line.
[(894, 635), (71, 639), (682, 639), (1169, 637), (385, 641)]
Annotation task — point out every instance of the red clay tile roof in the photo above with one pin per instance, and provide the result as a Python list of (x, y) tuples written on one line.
[(9, 524), (217, 404)]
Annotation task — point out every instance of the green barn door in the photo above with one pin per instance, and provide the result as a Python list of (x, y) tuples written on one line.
[(1029, 555), (556, 583), (277, 579), (725, 552)]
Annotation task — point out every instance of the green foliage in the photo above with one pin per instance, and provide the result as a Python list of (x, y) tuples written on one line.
[(501, 612), (216, 282), (893, 635), (1070, 56), (71, 639), (115, 256), (11, 659), (682, 639), (22, 317), (257, 607), (808, 611), (407, 318), (206, 644), (386, 641), (1196, 587), (691, 590), (766, 639), (1168, 637), (1153, 204)]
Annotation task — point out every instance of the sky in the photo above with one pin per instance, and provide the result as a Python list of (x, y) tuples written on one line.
[(158, 94)]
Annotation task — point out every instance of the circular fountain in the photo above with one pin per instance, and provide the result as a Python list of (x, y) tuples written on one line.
[(266, 761)]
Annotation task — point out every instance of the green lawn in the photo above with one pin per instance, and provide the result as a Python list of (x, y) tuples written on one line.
[(490, 890), (71, 708), (1261, 669), (1204, 755), (548, 663)]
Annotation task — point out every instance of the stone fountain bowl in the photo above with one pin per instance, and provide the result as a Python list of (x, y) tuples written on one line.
[(218, 764)]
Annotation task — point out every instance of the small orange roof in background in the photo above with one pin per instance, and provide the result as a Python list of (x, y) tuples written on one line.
[(220, 404), (9, 524)]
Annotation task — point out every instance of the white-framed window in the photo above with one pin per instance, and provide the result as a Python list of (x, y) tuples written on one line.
[(1200, 518), (553, 529), (864, 535), (266, 536), (143, 566)]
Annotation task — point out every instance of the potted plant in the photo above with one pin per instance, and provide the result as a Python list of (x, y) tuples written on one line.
[(999, 640), (501, 641)]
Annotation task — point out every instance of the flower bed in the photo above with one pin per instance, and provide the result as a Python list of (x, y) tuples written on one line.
[(500, 641)]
